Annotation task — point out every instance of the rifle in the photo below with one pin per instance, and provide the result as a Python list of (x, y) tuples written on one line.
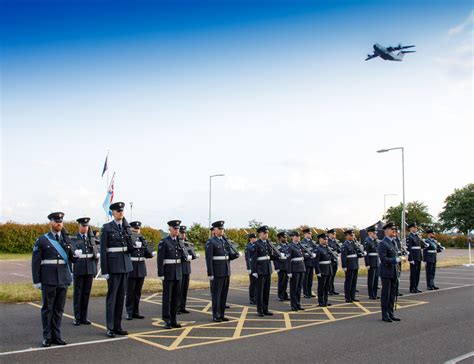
[(233, 251), (359, 248)]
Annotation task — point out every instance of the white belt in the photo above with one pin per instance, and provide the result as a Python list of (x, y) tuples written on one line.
[(325, 262), (266, 257), (220, 257), (431, 251), (352, 256), (86, 256), (171, 261), (117, 250), (190, 257), (52, 261), (374, 254), (416, 247), (137, 259), (300, 259)]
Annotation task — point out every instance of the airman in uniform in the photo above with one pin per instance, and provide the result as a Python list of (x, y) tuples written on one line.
[(296, 269), (281, 266), (429, 257), (252, 238), (191, 255), (323, 269), (335, 245), (309, 263), (350, 264), (371, 246), (414, 247)]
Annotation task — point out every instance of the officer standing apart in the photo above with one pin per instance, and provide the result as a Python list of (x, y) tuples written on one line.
[(85, 269), (389, 271), (429, 256), (296, 269), (414, 246), (281, 266), (335, 245), (51, 272), (136, 277), (191, 255), (350, 264), (252, 238), (115, 247), (171, 255), (262, 270), (371, 246), (218, 271), (323, 269), (309, 263)]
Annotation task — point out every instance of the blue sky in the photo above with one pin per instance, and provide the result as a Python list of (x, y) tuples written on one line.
[(275, 94)]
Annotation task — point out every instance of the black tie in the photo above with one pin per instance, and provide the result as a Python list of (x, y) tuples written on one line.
[(57, 237), (120, 227), (83, 237)]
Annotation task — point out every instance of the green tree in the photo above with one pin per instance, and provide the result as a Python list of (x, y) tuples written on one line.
[(198, 235), (416, 211), (458, 212)]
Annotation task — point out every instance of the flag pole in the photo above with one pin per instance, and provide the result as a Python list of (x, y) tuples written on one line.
[(107, 187)]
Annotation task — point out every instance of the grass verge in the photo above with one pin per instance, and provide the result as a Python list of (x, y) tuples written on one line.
[(15, 256)]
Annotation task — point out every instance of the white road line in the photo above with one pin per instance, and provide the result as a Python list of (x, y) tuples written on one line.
[(438, 290), (460, 358), (64, 346)]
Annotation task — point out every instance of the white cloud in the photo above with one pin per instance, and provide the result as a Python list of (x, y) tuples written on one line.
[(458, 29)]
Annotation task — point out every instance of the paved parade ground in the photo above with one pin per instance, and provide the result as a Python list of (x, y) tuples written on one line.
[(436, 326)]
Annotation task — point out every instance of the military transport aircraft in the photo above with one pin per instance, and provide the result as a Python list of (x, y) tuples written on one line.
[(388, 53)]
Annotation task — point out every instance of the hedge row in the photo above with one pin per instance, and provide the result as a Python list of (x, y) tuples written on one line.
[(20, 238)]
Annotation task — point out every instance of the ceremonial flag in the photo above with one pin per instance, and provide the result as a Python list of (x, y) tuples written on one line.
[(109, 198), (106, 164)]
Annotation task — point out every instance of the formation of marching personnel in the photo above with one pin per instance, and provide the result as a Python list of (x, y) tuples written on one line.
[(59, 260)]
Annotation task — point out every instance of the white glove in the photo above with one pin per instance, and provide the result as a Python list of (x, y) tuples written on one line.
[(412, 262), (77, 253), (365, 253), (106, 276), (240, 254), (198, 255), (37, 285), (290, 275), (282, 256), (319, 275), (98, 255), (255, 275), (344, 269), (313, 255), (249, 271), (398, 260), (153, 254), (161, 278), (211, 278), (138, 244), (277, 270), (368, 267)]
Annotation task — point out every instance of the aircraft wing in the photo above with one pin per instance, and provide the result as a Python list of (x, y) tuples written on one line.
[(370, 56), (398, 48)]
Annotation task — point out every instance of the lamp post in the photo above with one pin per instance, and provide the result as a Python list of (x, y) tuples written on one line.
[(403, 185), (385, 201), (210, 197), (131, 211)]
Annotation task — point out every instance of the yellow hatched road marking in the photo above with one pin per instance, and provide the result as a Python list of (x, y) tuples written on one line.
[(286, 315), (241, 322), (362, 307), (180, 338), (328, 313)]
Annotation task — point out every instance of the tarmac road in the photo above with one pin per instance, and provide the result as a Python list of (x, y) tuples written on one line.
[(436, 326)]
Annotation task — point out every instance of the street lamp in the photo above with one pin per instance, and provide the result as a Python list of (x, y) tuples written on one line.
[(210, 197), (403, 185), (385, 201), (131, 211)]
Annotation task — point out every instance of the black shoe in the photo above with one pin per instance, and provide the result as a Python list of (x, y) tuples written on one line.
[(413, 291), (223, 318), (322, 305), (355, 300), (226, 306), (183, 310), (294, 309), (120, 332), (307, 296), (129, 317), (176, 326), (430, 289), (387, 320), (268, 313), (59, 341), (348, 301), (76, 322), (377, 298), (330, 294), (435, 288), (312, 295), (287, 298), (281, 299), (46, 343), (216, 319), (260, 314), (336, 293), (253, 302), (138, 316), (328, 304), (393, 318), (110, 333), (86, 322), (371, 298), (357, 291), (400, 294), (178, 312), (168, 325), (300, 308), (418, 291)]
